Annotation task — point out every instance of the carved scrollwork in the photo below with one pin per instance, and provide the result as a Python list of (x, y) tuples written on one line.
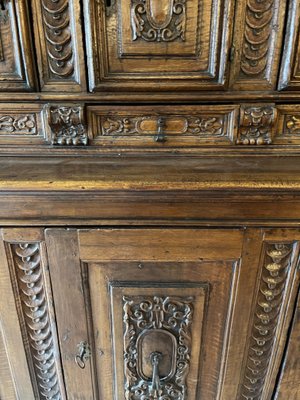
[(56, 16), (256, 125), (147, 22), (35, 310), (213, 126), (67, 125), (18, 124), (169, 318), (266, 315), (258, 28)]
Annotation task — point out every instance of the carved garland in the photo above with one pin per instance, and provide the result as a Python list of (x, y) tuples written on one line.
[(171, 316), (258, 28), (56, 16), (145, 26), (35, 311), (267, 311)]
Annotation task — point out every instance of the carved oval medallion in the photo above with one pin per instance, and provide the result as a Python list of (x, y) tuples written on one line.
[(156, 340), (160, 12)]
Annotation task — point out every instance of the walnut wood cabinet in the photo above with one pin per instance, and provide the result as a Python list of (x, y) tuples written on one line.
[(149, 199)]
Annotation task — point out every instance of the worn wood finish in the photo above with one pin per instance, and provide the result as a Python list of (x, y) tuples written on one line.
[(17, 72), (59, 45), (290, 67), (290, 374), (132, 45)]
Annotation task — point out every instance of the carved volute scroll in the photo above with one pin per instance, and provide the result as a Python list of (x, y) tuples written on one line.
[(157, 347), (256, 124), (34, 309), (66, 124), (158, 20), (277, 260)]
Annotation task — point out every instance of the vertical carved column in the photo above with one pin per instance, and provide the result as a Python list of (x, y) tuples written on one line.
[(268, 308), (36, 319)]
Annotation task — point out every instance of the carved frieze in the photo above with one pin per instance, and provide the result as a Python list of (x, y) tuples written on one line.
[(41, 342), (256, 124), (157, 347), (258, 29), (163, 21), (292, 125), (18, 124), (277, 261), (66, 125)]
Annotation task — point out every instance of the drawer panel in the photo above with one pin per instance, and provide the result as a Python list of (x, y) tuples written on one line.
[(162, 126), (16, 65)]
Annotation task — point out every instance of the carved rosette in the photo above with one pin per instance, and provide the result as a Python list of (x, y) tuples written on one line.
[(67, 125), (267, 310), (256, 125), (35, 312), (18, 124), (258, 28), (166, 320), (56, 17), (148, 23)]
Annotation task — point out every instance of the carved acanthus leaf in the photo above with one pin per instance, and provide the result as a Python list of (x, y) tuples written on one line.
[(146, 26), (67, 125), (35, 312), (256, 124), (266, 314), (169, 316), (58, 34)]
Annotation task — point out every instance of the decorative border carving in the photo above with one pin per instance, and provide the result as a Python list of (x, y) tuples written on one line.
[(256, 124), (142, 316), (67, 125), (258, 28), (56, 17), (291, 125), (277, 260), (34, 311), (18, 124), (144, 26)]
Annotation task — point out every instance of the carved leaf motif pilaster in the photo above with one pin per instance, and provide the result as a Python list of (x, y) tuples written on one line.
[(145, 26), (269, 301), (256, 124), (258, 28), (56, 17), (67, 125), (35, 312), (170, 316)]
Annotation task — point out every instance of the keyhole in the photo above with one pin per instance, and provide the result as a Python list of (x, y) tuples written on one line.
[(108, 3), (2, 5)]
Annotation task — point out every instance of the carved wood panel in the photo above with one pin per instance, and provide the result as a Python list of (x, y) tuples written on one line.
[(290, 66), (17, 71), (256, 44), (161, 45), (59, 45)]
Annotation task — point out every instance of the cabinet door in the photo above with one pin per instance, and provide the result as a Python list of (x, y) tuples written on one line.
[(157, 44), (16, 67), (171, 313), (290, 68)]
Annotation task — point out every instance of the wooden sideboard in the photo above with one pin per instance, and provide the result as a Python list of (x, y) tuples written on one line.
[(149, 199)]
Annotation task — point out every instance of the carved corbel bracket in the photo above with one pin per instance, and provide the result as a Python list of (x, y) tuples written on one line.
[(66, 124), (257, 122)]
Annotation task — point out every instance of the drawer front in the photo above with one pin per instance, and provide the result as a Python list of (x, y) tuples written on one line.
[(155, 44), (16, 65), (162, 126)]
